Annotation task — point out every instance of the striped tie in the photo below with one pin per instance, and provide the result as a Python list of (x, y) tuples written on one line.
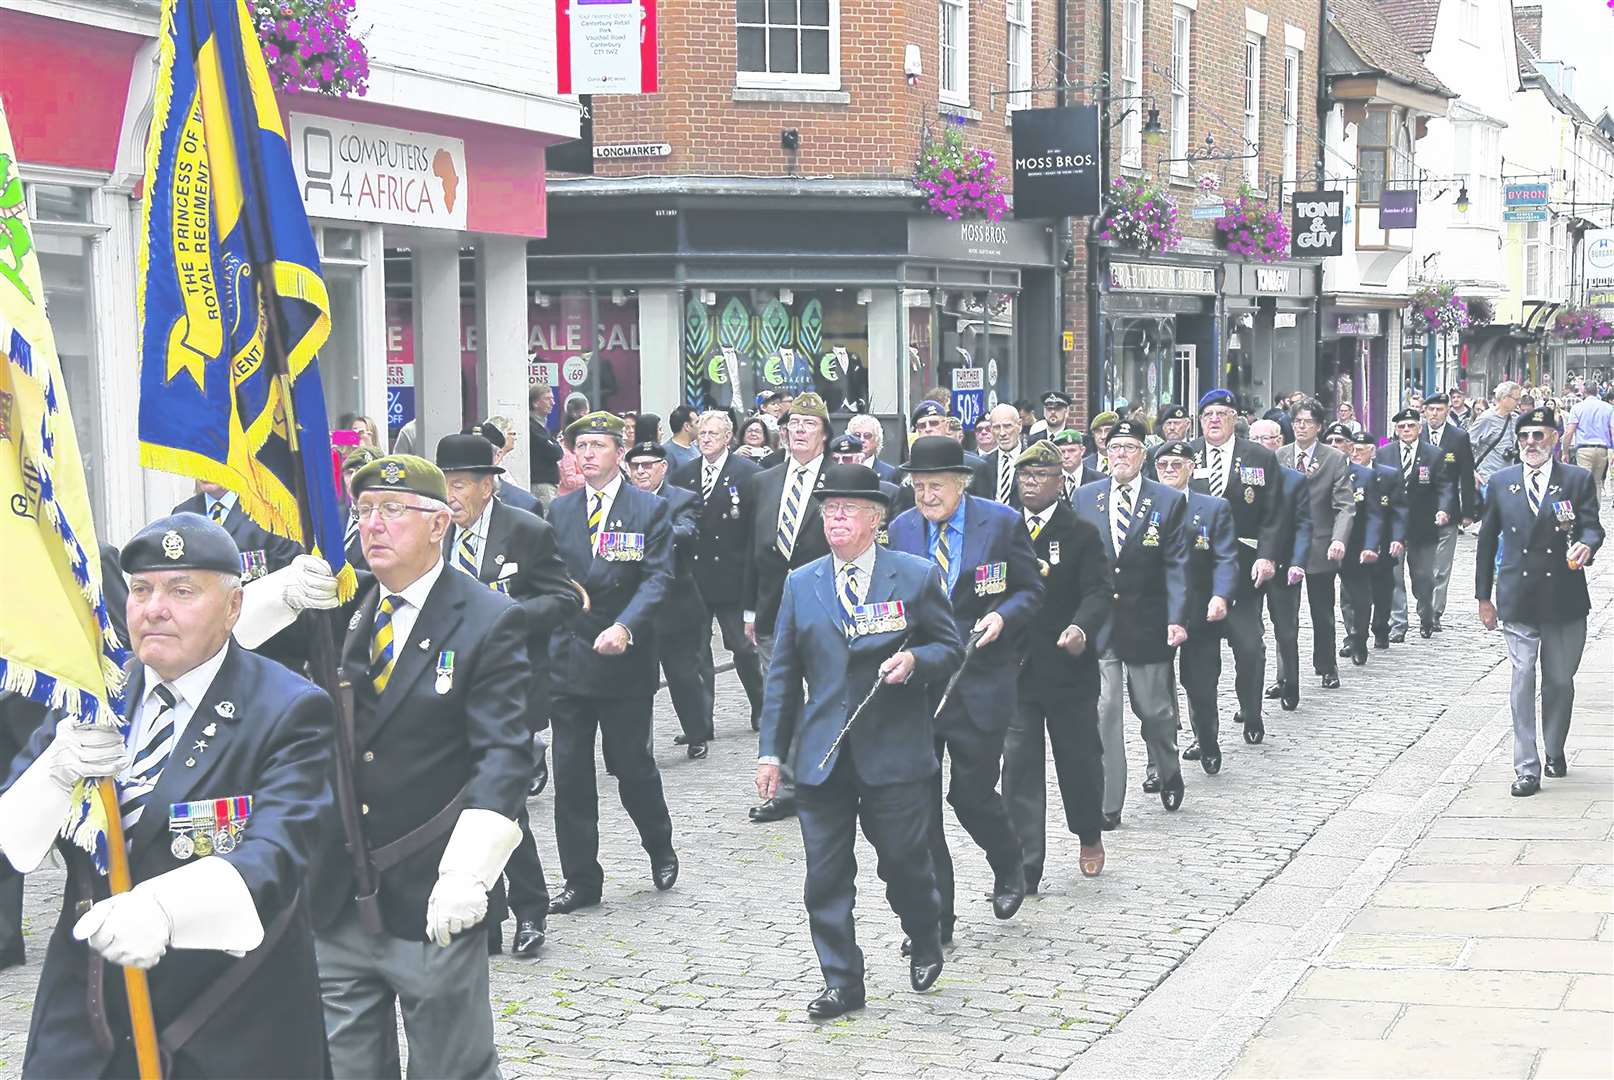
[(218, 511), (352, 532), (1534, 489), (137, 782), (1123, 516), (790, 512), (381, 643), (708, 480), (849, 599), (1035, 525), (1218, 480), (1005, 478), (596, 518), (465, 552), (944, 561), (1070, 487), (1407, 458)]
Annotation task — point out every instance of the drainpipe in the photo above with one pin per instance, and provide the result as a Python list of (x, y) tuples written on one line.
[(1095, 334)]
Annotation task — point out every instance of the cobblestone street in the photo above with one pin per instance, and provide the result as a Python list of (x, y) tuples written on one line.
[(710, 979)]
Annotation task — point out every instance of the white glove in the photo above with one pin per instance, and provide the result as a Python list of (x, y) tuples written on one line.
[(458, 902), (80, 752), (130, 930), (309, 584)]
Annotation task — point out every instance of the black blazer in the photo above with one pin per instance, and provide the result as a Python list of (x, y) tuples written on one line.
[(1149, 575), (684, 606), (765, 568), (1535, 583), (519, 560), (291, 645), (628, 592), (1457, 460), (419, 744), (1294, 523), (984, 484), (719, 550), (1390, 503), (1076, 592), (1427, 491), (1255, 500), (1213, 559), (517, 496), (273, 734)]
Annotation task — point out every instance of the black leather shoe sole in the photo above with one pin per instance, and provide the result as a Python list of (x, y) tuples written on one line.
[(773, 810), (664, 872), (568, 901), (922, 974), (836, 1001), (530, 937)]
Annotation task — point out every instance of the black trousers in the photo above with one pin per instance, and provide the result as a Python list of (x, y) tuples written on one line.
[(1320, 598), (1283, 604), (1246, 635), (624, 728), (1383, 577), (1071, 725), (529, 893), (896, 820), (1356, 585), (685, 647), (975, 758), (11, 950), (1200, 659), (747, 664)]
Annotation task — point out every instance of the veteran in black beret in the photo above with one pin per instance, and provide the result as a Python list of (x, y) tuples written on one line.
[(617, 541), (1543, 516), (1431, 496), (222, 789), (1172, 423)]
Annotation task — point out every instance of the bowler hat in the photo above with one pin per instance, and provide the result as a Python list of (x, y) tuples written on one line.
[(936, 453), (852, 482), (181, 542), (466, 453)]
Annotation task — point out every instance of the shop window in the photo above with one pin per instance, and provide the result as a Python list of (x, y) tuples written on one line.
[(58, 202), (1131, 97), (1532, 259), (739, 343), (1182, 26), (1291, 114), (1252, 108), (963, 341), (1146, 367), (341, 363), (1018, 52), (954, 17), (1372, 156), (788, 43)]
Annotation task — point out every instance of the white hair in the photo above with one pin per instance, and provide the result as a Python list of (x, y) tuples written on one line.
[(1506, 389), (718, 416), (874, 428), (229, 582)]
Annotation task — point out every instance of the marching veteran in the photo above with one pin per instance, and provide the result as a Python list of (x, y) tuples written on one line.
[(441, 759), (222, 788), (862, 618)]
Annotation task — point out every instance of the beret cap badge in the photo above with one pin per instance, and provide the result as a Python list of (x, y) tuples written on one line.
[(173, 544)]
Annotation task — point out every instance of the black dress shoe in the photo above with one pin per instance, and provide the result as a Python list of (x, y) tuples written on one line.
[(1525, 786), (1192, 753), (530, 936), (1275, 691), (923, 971), (1556, 767), (1033, 885), (680, 740), (1254, 732), (1291, 697), (1151, 784), (1436, 627), (569, 900), (836, 1001), (697, 750), (1359, 653), (1111, 822), (775, 809), (1238, 718), (1345, 649), (945, 937), (540, 777), (1426, 631), (1381, 641), (1211, 760), (495, 938), (1397, 637), (1171, 792), (1007, 896), (664, 871), (1331, 680)]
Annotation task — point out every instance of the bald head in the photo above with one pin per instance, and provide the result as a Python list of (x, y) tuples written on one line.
[(1004, 420)]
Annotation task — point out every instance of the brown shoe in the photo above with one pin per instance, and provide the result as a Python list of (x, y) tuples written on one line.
[(1092, 860)]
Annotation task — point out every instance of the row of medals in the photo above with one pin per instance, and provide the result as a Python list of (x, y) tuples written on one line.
[(203, 838)]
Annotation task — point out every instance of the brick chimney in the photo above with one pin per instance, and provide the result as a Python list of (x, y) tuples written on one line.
[(1527, 25)]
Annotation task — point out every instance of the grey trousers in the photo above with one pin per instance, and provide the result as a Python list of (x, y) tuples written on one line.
[(447, 1016), (1419, 563), (1445, 552), (1554, 648), (787, 779), (1154, 704)]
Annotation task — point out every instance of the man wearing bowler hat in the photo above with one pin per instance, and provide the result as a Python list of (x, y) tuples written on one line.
[(860, 618), (983, 555), (511, 551)]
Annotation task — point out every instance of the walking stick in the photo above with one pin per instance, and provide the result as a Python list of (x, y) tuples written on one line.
[(142, 1021), (863, 705), (969, 651)]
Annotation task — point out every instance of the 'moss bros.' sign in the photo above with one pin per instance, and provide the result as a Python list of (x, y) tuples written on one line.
[(363, 172)]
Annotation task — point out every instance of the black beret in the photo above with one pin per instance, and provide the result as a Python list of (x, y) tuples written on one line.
[(1409, 413), (1364, 438), (928, 408), (181, 542), (1538, 418), (647, 449), (1175, 448), (1437, 399), (1171, 412), (1129, 429), (1336, 430)]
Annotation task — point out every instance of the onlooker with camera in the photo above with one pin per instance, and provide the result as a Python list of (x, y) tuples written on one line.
[(1496, 445)]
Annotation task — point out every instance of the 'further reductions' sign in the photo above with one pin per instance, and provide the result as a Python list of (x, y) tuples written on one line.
[(1317, 227), (363, 172), (1056, 162)]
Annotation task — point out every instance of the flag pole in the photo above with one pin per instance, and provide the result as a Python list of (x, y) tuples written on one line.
[(142, 1019)]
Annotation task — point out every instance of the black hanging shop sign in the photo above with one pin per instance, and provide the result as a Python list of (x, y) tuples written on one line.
[(1056, 162), (1317, 226)]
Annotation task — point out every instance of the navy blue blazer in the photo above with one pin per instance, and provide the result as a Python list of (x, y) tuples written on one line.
[(272, 740), (683, 605), (519, 497), (1295, 524), (1254, 498), (720, 544), (1535, 583), (1457, 460), (885, 471), (1149, 575), (1367, 525), (995, 540), (1429, 490), (1213, 558), (893, 742), (630, 592), (984, 482), (1076, 580), (1390, 505)]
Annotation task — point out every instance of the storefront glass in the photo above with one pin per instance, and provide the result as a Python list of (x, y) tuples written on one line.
[(586, 340), (739, 343), (1142, 369), (341, 360), (964, 330)]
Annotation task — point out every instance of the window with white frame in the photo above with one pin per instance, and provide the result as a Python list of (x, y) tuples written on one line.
[(1132, 83), (1182, 27), (788, 44), (1252, 108), (1018, 52), (955, 51), (1469, 20), (1291, 114), (1532, 259)]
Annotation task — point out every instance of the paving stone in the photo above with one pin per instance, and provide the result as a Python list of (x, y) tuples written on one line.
[(1571, 1063), (1592, 992), (1397, 951), (1512, 989), (1442, 1025), (1513, 924), (1570, 898), (1310, 1018), (1443, 895), (1303, 1057), (1519, 954)]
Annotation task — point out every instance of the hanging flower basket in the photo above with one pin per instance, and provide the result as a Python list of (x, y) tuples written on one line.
[(1582, 324), (960, 181), (1140, 216), (1249, 227), (1481, 312), (1437, 309), (310, 45)]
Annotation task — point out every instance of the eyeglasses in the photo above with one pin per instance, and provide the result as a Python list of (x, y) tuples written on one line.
[(1535, 435), (843, 510), (1307, 420), (389, 511)]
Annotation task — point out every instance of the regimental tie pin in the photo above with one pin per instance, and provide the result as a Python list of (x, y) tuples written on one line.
[(225, 709)]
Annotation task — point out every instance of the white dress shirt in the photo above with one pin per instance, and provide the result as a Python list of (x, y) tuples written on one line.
[(479, 533), (1040, 519), (1226, 462), (610, 491), (714, 469), (188, 689), (414, 598), (1115, 499), (865, 572), (1546, 481), (811, 470)]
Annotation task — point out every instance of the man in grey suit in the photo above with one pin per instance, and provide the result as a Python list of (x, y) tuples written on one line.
[(1333, 507)]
